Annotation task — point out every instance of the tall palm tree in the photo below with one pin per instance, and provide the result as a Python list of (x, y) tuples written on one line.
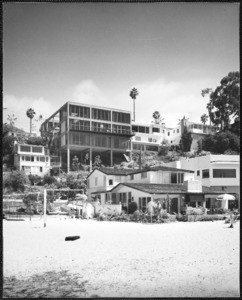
[(204, 118), (133, 94), (30, 114)]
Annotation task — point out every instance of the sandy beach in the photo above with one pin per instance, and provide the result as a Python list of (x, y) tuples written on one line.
[(118, 259)]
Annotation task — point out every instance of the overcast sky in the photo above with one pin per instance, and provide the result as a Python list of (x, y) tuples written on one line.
[(96, 53)]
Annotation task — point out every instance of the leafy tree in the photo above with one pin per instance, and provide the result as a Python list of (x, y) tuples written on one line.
[(15, 181), (221, 142), (186, 140), (224, 101), (7, 145), (204, 119), (133, 94), (37, 140), (34, 179), (30, 114)]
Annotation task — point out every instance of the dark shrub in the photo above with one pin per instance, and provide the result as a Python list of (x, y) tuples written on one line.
[(34, 179), (49, 179), (15, 181), (132, 207)]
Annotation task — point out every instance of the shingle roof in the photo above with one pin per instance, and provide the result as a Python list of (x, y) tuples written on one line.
[(125, 172), (152, 188), (213, 190)]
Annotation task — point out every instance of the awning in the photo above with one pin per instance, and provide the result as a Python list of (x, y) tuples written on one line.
[(196, 198)]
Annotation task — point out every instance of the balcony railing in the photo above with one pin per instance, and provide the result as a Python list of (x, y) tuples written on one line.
[(102, 130)]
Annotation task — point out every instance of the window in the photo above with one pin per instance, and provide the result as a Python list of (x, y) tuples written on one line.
[(198, 172), (177, 130), (171, 142), (25, 148), (23, 168), (224, 173), (154, 141), (174, 131), (42, 158), (168, 133), (132, 177), (180, 178), (47, 159), (32, 158), (27, 158), (37, 157), (22, 157), (173, 178), (110, 182), (150, 140), (137, 138), (143, 175), (121, 117), (129, 197), (96, 180), (154, 129), (101, 114), (163, 131), (200, 126), (204, 129), (195, 126), (37, 149), (143, 202), (205, 173), (41, 169)]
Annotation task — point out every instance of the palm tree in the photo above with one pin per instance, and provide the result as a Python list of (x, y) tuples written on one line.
[(204, 118), (30, 114), (11, 119), (133, 94), (156, 117)]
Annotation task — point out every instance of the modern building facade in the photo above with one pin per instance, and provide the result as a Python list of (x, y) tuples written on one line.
[(85, 131), (148, 137)]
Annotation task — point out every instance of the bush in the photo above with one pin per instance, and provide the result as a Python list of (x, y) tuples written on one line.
[(132, 207), (15, 181), (49, 179), (34, 179)]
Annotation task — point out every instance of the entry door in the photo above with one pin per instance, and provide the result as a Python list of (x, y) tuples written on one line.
[(174, 205)]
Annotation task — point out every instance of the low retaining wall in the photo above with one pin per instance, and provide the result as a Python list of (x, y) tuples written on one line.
[(107, 209)]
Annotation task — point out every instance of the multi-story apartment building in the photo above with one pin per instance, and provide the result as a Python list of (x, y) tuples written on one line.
[(148, 137), (86, 131), (32, 159)]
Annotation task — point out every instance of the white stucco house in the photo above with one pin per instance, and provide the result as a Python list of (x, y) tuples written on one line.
[(216, 172), (32, 159)]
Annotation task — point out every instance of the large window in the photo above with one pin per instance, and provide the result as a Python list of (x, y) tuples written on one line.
[(101, 127), (155, 129), (79, 138), (121, 129), (79, 124), (224, 173), (205, 173), (143, 202), (101, 114), (151, 148), (37, 149), (25, 148), (173, 178), (79, 111), (121, 117)]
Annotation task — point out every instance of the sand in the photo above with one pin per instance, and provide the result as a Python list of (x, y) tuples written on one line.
[(119, 259)]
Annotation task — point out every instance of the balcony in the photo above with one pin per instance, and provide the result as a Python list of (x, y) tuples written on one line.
[(102, 130)]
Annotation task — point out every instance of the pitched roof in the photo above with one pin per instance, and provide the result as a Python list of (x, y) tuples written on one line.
[(213, 190), (125, 172), (114, 171), (152, 188)]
